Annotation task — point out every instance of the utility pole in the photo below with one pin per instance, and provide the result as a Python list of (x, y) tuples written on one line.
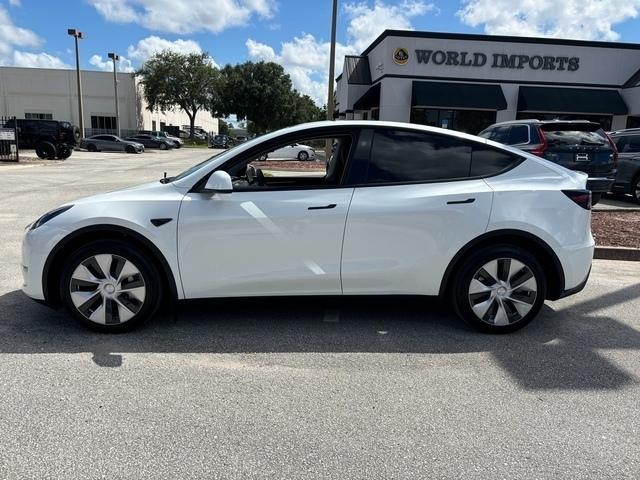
[(77, 35), (115, 58), (332, 56)]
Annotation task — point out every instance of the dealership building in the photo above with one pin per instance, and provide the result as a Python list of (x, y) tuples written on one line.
[(52, 94), (467, 82)]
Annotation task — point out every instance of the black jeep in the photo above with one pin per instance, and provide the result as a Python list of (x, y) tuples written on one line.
[(50, 138)]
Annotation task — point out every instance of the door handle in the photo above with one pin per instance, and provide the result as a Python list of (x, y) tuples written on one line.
[(457, 202), (323, 207)]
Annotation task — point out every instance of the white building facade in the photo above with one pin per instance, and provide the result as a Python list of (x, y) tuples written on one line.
[(467, 82), (53, 94)]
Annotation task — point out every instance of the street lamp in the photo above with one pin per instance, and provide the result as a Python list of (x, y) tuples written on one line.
[(115, 58), (332, 55), (77, 35)]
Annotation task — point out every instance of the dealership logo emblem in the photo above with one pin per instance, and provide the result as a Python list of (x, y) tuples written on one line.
[(401, 56)]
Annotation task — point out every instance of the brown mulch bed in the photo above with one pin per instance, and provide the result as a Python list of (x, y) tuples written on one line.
[(616, 229), (291, 165)]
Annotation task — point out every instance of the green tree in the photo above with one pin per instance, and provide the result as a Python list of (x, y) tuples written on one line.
[(174, 80), (262, 93)]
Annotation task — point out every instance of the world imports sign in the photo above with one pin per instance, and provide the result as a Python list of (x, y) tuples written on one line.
[(497, 60)]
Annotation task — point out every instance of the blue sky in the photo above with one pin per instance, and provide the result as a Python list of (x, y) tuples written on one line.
[(293, 33)]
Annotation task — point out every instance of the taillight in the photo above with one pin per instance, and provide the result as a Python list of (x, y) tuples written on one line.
[(581, 197), (542, 148), (614, 148)]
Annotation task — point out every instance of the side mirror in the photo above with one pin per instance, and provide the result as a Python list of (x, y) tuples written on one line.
[(219, 182)]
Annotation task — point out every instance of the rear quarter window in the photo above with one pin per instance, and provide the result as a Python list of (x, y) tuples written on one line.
[(487, 161)]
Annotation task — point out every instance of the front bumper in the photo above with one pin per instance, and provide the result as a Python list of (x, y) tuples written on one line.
[(36, 246)]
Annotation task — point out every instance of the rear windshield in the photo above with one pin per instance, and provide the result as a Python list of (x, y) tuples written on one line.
[(574, 137)]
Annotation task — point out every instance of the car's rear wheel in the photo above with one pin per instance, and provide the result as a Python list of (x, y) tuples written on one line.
[(499, 289), (92, 148), (110, 286), (46, 150), (163, 146), (303, 156)]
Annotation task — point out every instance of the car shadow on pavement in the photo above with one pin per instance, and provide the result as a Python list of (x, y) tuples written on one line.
[(559, 350)]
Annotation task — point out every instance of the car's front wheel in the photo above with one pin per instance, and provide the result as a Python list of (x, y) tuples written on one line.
[(303, 156), (499, 289), (110, 286), (130, 149), (163, 146)]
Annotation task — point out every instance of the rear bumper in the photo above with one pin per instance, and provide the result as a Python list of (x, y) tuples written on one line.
[(600, 184), (578, 288)]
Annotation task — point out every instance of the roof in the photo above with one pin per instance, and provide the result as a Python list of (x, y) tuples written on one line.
[(498, 38)]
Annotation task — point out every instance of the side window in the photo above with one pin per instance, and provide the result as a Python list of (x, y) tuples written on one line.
[(487, 161), (501, 134), (621, 143), (400, 156), (519, 134), (633, 144)]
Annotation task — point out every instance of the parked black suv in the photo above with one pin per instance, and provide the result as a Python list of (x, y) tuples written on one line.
[(50, 138), (576, 144), (628, 176), (220, 141)]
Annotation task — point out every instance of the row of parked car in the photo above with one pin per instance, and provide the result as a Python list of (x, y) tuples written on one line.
[(611, 160), (132, 144)]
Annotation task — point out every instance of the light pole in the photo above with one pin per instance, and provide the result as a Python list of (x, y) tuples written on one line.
[(115, 58), (332, 54), (78, 36)]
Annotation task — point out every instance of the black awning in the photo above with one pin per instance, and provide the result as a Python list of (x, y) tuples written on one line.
[(458, 95), (571, 100), (370, 99)]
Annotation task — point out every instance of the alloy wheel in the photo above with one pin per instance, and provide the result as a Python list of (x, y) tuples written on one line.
[(107, 289), (502, 291)]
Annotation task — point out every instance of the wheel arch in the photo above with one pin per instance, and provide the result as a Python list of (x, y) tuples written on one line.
[(55, 260), (519, 238)]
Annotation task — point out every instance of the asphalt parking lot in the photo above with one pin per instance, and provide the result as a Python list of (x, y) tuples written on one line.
[(307, 388)]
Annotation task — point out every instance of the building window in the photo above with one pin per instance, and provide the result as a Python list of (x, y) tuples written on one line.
[(38, 116), (633, 122), (153, 125), (468, 121), (603, 120), (163, 125), (103, 123)]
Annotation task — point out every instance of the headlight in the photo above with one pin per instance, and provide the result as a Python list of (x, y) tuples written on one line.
[(49, 215)]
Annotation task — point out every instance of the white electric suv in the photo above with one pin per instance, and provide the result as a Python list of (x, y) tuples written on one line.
[(401, 209)]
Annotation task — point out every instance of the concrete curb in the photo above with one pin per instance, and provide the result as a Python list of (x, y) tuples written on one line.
[(617, 253), (617, 209)]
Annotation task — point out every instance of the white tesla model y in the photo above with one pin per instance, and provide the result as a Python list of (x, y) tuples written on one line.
[(400, 209)]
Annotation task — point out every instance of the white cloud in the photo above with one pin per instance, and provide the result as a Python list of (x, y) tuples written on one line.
[(36, 60), (14, 38), (147, 47), (124, 65), (185, 16), (15, 3), (306, 59), (580, 19)]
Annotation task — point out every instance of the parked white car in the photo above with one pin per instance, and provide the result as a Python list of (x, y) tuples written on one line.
[(291, 152), (402, 209)]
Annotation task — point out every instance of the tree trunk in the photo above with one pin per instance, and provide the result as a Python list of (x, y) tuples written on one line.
[(192, 122)]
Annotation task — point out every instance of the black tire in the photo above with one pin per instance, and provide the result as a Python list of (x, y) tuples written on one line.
[(46, 150), (92, 148), (460, 288), (635, 189), (130, 149), (163, 146), (64, 151), (146, 268), (303, 156), (595, 198)]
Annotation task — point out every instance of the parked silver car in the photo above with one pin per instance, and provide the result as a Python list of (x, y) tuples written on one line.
[(110, 143)]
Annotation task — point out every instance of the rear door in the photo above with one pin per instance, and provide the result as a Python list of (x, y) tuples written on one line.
[(414, 208), (628, 161), (579, 146)]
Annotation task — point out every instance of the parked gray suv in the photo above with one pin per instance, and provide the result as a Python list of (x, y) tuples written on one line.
[(628, 176)]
